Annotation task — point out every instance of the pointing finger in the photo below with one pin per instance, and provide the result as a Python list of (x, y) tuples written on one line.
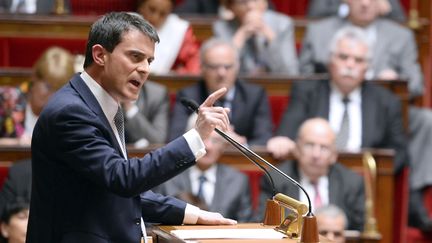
[(213, 97)]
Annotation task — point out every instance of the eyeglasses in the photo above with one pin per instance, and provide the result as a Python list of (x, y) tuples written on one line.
[(243, 2), (345, 57), (336, 234), (214, 67)]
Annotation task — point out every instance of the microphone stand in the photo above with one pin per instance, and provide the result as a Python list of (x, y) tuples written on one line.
[(309, 232)]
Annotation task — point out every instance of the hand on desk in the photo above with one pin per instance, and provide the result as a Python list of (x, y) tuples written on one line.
[(206, 217)]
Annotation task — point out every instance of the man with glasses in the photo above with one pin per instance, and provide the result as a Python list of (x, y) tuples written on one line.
[(363, 114), (250, 111), (315, 168)]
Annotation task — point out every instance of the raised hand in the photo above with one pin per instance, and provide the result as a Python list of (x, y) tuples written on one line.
[(210, 117)]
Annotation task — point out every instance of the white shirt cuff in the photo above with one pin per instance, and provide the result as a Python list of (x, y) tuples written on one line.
[(132, 112), (191, 214), (195, 143)]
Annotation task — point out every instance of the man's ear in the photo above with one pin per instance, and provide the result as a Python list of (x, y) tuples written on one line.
[(98, 53), (4, 230)]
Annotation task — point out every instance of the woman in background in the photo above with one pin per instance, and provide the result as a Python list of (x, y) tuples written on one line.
[(178, 50)]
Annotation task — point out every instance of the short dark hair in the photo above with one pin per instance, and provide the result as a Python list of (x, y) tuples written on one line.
[(13, 207), (109, 29)]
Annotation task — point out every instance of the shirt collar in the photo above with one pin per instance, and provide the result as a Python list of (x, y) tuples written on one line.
[(106, 101), (210, 173), (354, 96)]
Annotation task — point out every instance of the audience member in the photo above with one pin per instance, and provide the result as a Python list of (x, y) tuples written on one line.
[(178, 49), (13, 223), (316, 169), (209, 180), (393, 47), (51, 71), (394, 56), (32, 7), (331, 221), (146, 120), (324, 8), (364, 114), (264, 37), (250, 111)]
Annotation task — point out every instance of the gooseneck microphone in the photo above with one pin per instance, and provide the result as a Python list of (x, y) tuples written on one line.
[(252, 156)]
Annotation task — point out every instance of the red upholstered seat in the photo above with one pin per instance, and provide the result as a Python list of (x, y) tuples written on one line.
[(24, 51)]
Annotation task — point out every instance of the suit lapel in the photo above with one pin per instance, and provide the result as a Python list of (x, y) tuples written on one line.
[(368, 115), (219, 190), (83, 90), (323, 105), (334, 188)]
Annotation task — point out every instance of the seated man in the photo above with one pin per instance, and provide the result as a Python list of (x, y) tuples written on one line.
[(264, 38), (364, 114), (222, 188), (250, 111), (146, 119), (331, 222), (317, 170)]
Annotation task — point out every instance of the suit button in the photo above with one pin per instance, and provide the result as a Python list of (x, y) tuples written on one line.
[(138, 221)]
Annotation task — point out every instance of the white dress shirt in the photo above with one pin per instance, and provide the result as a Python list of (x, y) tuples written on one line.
[(336, 111), (208, 186), (323, 189)]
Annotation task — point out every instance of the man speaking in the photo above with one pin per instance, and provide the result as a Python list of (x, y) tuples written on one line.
[(84, 187)]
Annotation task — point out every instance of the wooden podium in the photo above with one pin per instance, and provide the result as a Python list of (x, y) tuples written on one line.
[(162, 234)]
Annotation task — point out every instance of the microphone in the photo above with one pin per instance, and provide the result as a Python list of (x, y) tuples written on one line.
[(193, 106)]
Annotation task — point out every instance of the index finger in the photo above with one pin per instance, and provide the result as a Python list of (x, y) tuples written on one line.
[(211, 99)]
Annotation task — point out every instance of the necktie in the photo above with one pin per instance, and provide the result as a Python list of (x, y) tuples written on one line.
[(200, 193), (119, 123), (317, 199), (343, 134)]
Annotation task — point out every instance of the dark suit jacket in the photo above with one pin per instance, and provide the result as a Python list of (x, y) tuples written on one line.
[(17, 184), (346, 190), (231, 197), (83, 190), (382, 125), (250, 113)]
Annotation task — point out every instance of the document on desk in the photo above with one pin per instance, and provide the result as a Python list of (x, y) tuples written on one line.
[(228, 234)]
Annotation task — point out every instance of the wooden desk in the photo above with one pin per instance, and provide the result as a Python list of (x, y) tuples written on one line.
[(385, 191), (162, 234)]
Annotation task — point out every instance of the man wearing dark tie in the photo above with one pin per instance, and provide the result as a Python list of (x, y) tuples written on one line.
[(250, 111), (363, 114), (317, 170), (84, 186)]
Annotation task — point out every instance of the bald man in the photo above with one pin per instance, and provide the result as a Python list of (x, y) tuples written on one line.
[(316, 169)]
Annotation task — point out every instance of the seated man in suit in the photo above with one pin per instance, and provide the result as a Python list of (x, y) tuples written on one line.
[(221, 187), (264, 38), (331, 221), (363, 114), (317, 170), (146, 119), (250, 111), (323, 8), (393, 48)]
